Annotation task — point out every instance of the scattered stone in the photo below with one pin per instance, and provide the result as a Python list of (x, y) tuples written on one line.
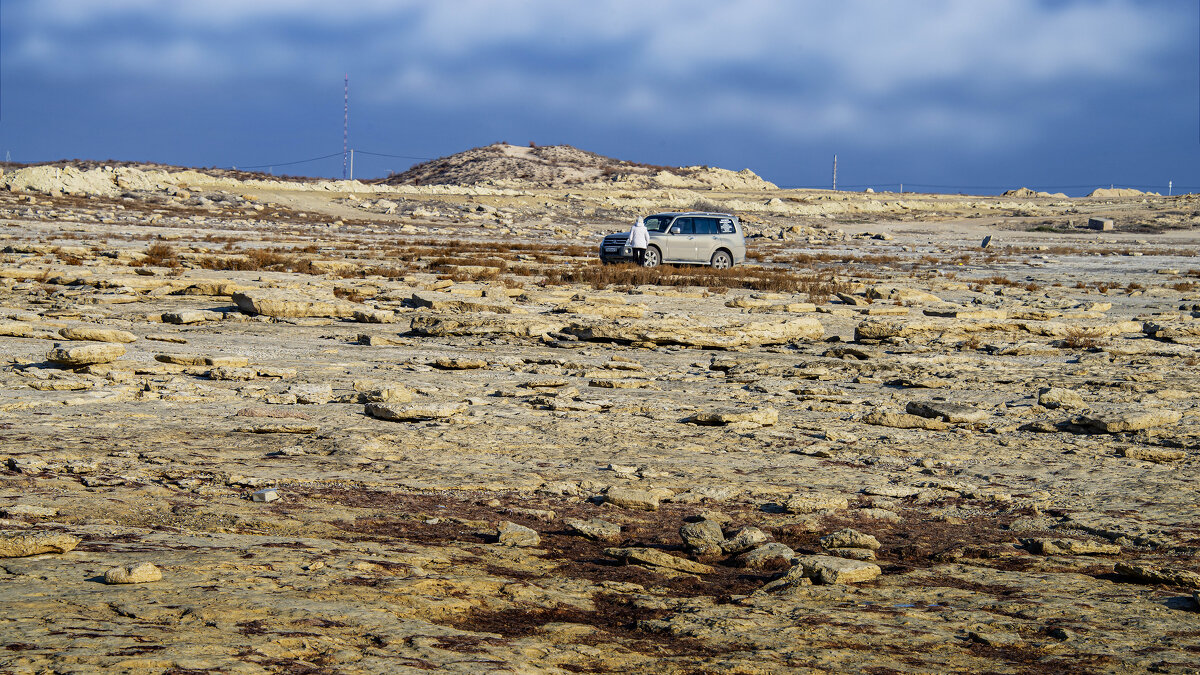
[(22, 544), (745, 539), (849, 538), (759, 416), (29, 511), (312, 394), (1123, 421), (85, 355), (447, 363), (769, 555), (1073, 547), (595, 529), (287, 304), (136, 574), (1057, 397), (1156, 575), (629, 498), (954, 413), (703, 537), (904, 421), (656, 558), (825, 569), (815, 502), (1156, 455), (852, 553), (415, 413), (90, 334), (512, 534)]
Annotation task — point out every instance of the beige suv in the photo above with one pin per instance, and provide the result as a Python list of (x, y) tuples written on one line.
[(694, 238)]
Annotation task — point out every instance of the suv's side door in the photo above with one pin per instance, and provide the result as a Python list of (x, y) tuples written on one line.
[(706, 238), (682, 240)]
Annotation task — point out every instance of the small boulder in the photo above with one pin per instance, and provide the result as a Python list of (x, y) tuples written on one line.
[(829, 570), (629, 498), (769, 555), (92, 334), (849, 538), (745, 539), (703, 537), (595, 529), (512, 534), (85, 355), (21, 544), (135, 574)]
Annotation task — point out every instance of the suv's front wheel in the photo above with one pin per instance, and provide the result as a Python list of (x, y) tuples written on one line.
[(653, 257), (721, 260)]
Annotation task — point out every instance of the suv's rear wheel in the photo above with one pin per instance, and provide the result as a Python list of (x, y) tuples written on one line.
[(653, 257), (721, 260)]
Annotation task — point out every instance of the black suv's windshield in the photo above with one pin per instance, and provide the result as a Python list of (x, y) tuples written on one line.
[(657, 223)]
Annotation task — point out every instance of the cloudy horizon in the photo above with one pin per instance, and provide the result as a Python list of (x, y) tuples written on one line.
[(948, 95)]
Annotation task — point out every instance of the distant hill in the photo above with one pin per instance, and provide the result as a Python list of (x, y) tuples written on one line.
[(564, 166)]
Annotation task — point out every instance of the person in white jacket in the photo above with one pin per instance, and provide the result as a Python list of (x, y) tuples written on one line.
[(639, 239)]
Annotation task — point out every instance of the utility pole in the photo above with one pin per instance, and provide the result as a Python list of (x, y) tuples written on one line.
[(1170, 186), (351, 163), (346, 125), (835, 173)]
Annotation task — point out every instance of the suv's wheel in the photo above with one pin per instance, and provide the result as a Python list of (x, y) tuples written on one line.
[(721, 260), (653, 257)]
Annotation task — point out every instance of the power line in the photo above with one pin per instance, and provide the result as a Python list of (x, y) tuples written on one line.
[(381, 154), (299, 161)]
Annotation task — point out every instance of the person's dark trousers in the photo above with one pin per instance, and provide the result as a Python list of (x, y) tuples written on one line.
[(639, 256)]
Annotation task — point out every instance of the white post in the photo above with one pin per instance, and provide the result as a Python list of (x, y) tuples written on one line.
[(1170, 186), (902, 188), (835, 173)]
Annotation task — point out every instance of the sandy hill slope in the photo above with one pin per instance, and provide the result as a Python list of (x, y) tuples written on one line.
[(555, 166)]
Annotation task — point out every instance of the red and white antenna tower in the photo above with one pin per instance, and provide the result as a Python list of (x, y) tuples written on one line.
[(346, 127)]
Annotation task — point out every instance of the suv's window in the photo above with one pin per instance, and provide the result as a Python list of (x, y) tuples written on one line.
[(685, 225), (706, 225), (725, 226), (657, 223)]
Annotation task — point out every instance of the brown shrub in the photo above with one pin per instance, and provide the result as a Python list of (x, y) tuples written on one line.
[(161, 255)]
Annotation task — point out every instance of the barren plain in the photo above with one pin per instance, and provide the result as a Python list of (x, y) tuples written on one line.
[(366, 428)]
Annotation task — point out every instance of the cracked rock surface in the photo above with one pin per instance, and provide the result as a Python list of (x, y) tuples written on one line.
[(876, 447)]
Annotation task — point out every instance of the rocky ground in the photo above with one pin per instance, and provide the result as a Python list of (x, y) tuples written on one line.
[(269, 426)]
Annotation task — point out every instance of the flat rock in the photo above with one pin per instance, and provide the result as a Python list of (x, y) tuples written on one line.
[(954, 413), (91, 334), (745, 539), (21, 544), (135, 574), (414, 412), (1116, 422), (291, 304), (595, 529), (849, 538), (1156, 455), (656, 558), (1158, 575), (904, 421), (85, 355), (1058, 397), (29, 511), (771, 554), (829, 570), (629, 498), (512, 534), (1073, 547), (448, 363), (696, 333), (815, 502), (759, 416)]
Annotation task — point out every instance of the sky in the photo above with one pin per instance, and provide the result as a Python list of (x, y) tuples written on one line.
[(971, 96)]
